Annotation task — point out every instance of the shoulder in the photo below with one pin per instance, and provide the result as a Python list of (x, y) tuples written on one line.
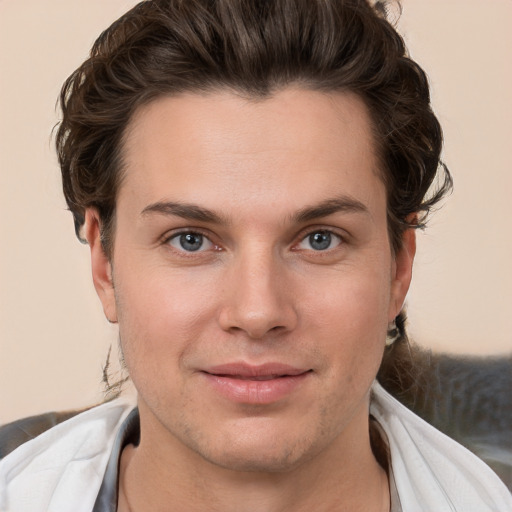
[(55, 462), (14, 434), (432, 471)]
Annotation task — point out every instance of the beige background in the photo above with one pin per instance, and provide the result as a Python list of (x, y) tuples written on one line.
[(53, 337)]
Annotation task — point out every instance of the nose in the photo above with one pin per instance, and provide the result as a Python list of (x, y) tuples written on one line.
[(258, 298)]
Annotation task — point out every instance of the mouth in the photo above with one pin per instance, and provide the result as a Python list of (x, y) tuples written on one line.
[(261, 384), (244, 371), (255, 378)]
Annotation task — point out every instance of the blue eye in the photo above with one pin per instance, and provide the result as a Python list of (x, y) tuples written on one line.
[(320, 241), (190, 242)]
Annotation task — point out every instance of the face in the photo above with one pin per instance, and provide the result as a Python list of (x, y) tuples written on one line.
[(252, 275)]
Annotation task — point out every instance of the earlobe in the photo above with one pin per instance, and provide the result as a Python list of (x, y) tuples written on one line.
[(100, 265), (402, 273)]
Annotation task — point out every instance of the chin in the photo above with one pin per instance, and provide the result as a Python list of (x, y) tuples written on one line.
[(258, 461), (272, 452)]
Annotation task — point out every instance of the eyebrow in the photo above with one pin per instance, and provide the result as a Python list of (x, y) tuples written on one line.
[(328, 207), (184, 210), (198, 213)]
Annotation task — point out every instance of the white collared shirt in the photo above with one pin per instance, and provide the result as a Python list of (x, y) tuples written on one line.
[(63, 469)]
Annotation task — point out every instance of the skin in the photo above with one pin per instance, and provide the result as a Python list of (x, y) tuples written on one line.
[(258, 290)]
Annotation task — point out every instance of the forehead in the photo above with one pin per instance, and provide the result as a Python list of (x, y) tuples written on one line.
[(297, 145)]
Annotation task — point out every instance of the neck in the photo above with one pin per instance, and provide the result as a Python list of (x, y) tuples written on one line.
[(345, 477)]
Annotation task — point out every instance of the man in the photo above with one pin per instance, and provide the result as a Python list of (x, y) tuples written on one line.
[(248, 175)]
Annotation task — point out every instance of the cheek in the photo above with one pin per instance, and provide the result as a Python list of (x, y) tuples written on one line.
[(355, 303), (161, 317), (349, 323), (158, 297)]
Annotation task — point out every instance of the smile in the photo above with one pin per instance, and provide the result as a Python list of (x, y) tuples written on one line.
[(257, 385)]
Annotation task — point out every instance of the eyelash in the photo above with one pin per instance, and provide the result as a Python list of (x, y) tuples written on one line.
[(166, 240), (302, 237)]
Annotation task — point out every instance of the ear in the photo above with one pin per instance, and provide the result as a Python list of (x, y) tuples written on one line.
[(101, 266), (402, 272)]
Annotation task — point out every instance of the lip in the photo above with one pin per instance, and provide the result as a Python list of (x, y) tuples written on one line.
[(255, 384)]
